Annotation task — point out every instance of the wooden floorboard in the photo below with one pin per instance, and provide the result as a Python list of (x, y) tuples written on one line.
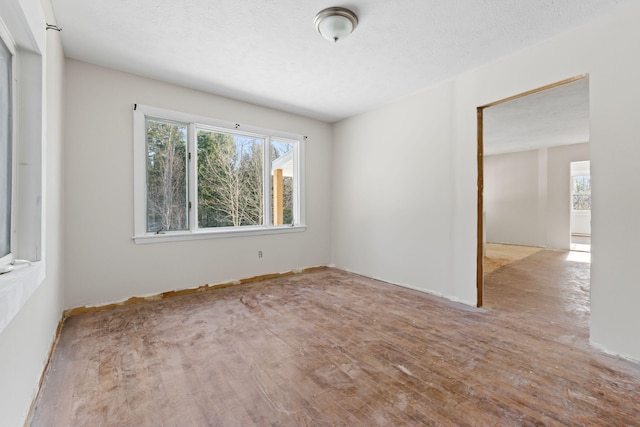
[(329, 348)]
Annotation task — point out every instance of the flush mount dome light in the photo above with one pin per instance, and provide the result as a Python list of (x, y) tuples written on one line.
[(335, 23)]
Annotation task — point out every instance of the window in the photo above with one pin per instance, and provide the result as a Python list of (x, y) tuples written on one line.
[(21, 157), (581, 191), (167, 199), (6, 153), (282, 184), (201, 178), (230, 184)]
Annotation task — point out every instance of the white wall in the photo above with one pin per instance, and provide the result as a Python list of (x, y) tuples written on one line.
[(512, 199), (581, 223), (527, 196), (423, 233), (27, 339), (103, 264), (391, 182)]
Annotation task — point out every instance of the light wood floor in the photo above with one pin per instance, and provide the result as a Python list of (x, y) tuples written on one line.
[(545, 284), (498, 255), (330, 348)]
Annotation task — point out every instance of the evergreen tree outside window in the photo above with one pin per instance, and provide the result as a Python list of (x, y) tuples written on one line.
[(167, 200)]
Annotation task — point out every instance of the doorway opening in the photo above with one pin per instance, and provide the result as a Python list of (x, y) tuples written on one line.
[(543, 145)]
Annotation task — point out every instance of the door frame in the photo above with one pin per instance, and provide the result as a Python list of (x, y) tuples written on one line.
[(480, 160)]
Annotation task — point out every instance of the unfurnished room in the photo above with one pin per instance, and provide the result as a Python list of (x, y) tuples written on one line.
[(248, 213)]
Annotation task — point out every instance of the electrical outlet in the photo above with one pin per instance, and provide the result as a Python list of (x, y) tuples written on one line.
[(259, 254)]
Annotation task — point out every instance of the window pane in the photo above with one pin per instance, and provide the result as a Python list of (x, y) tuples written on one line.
[(229, 180), (167, 201), (581, 190), (282, 182), (6, 159), (581, 202)]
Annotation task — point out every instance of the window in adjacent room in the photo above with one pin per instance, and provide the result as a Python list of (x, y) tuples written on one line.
[(581, 191), (200, 178)]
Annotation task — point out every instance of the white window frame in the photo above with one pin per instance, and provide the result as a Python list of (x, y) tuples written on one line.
[(23, 24), (194, 123), (6, 38)]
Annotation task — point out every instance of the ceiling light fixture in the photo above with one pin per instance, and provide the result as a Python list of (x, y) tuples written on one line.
[(335, 23)]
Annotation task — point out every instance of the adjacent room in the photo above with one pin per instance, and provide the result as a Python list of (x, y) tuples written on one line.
[(536, 203), (250, 213)]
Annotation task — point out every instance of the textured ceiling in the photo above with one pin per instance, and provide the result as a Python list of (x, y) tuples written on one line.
[(268, 53), (557, 116)]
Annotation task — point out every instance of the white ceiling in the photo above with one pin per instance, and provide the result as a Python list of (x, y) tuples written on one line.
[(557, 116), (268, 52)]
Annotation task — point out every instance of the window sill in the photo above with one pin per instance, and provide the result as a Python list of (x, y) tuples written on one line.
[(178, 236), (16, 287)]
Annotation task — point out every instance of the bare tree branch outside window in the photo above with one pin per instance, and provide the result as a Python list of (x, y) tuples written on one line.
[(166, 176), (229, 180)]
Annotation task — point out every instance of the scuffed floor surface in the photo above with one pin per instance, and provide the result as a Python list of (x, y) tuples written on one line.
[(497, 256), (328, 348)]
